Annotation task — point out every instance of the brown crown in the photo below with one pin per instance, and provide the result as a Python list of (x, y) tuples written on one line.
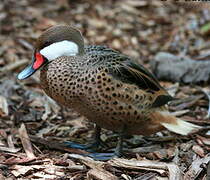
[(60, 33)]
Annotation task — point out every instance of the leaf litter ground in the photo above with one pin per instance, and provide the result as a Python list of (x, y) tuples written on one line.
[(33, 127)]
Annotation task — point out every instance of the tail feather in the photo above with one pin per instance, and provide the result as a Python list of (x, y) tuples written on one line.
[(182, 127), (177, 125)]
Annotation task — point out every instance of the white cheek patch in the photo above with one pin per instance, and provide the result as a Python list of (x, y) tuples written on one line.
[(58, 49)]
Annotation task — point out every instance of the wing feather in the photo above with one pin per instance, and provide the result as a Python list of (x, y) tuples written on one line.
[(132, 73), (125, 69)]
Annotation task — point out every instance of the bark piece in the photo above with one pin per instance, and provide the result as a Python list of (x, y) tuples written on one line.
[(26, 142), (159, 167), (197, 167)]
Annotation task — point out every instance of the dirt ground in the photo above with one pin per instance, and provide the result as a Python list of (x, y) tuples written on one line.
[(33, 127)]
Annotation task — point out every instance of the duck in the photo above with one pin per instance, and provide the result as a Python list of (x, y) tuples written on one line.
[(109, 88)]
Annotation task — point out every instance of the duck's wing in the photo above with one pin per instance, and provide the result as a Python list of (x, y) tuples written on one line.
[(125, 69), (99, 49), (128, 71)]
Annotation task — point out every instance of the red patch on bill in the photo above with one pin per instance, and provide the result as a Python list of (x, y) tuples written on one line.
[(39, 61)]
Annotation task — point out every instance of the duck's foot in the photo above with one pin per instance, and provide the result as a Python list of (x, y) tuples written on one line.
[(107, 156), (102, 156), (97, 142), (74, 145), (87, 147)]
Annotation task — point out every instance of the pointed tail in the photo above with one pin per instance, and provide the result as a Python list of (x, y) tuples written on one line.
[(177, 125)]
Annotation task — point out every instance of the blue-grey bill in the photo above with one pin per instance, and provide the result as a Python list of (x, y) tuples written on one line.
[(27, 72)]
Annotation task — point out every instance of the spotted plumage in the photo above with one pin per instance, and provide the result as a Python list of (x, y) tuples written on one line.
[(101, 86), (109, 88)]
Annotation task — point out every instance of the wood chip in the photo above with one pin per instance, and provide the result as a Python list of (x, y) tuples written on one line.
[(97, 171), (26, 142), (3, 106), (196, 168), (198, 150), (162, 168), (100, 174), (8, 149)]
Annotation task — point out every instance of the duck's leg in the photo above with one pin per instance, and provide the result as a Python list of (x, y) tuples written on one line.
[(119, 149), (97, 141), (106, 156), (89, 147), (97, 138)]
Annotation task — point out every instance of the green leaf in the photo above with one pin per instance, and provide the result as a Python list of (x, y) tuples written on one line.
[(205, 29)]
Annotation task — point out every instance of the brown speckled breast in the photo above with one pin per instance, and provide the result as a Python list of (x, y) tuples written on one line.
[(89, 89)]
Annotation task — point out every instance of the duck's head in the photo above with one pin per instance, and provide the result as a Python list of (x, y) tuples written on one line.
[(55, 42)]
